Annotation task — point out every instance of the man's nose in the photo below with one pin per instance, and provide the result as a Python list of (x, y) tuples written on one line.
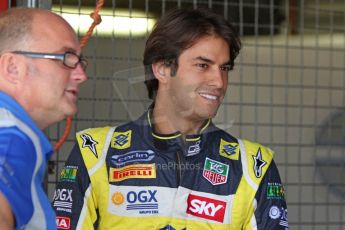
[(217, 78), (79, 74)]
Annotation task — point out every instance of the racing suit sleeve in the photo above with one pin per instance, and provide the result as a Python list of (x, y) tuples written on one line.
[(71, 195), (271, 211)]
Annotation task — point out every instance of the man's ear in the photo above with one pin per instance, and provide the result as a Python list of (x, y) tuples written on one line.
[(161, 71), (11, 68)]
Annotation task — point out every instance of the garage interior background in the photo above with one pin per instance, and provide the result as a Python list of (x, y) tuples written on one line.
[(287, 90)]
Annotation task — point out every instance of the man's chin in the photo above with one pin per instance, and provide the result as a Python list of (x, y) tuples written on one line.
[(71, 111), (210, 113), (205, 116)]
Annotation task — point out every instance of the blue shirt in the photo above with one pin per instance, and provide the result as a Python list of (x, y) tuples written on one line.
[(24, 152)]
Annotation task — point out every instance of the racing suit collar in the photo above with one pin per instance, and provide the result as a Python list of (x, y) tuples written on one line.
[(191, 145), (176, 134)]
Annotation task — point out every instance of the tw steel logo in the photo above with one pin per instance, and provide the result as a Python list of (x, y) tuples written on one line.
[(206, 208)]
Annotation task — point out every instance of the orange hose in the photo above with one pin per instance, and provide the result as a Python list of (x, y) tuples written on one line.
[(96, 20)]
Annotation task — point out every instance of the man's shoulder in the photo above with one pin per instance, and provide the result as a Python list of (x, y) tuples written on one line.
[(14, 138), (6, 118), (92, 144), (256, 159), (220, 132), (92, 138), (103, 130), (252, 146), (94, 130)]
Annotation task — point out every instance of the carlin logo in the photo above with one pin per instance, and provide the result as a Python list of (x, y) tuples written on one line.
[(134, 156), (206, 208), (229, 150), (90, 143), (215, 172), (121, 140), (63, 222), (258, 164), (139, 171)]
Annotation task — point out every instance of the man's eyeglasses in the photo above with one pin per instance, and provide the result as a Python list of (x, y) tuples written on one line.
[(69, 59)]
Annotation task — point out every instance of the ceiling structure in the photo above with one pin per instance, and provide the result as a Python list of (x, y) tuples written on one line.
[(230, 9), (251, 17)]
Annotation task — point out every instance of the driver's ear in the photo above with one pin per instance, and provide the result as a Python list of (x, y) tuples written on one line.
[(162, 71)]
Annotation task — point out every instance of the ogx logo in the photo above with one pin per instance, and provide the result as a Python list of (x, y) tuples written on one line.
[(142, 196), (144, 201), (63, 194)]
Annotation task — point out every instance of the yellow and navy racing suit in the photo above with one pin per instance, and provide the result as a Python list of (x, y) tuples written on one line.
[(130, 177)]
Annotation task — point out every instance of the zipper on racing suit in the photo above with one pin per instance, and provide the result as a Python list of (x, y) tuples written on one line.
[(178, 168), (181, 160)]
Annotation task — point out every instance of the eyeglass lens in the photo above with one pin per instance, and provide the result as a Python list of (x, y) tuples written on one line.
[(72, 60)]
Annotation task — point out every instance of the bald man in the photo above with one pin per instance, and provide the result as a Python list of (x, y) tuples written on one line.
[(41, 69)]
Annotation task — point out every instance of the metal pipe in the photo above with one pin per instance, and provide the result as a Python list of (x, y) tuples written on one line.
[(32, 3)]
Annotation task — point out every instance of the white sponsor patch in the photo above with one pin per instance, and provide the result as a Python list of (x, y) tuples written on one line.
[(168, 202), (141, 201)]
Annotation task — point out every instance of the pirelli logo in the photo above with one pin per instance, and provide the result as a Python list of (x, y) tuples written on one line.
[(137, 171)]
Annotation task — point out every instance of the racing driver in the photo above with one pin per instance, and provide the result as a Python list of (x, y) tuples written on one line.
[(172, 168)]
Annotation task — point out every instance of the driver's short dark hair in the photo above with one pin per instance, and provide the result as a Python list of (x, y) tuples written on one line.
[(177, 31)]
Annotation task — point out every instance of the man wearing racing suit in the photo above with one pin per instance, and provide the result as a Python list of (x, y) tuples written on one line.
[(173, 168)]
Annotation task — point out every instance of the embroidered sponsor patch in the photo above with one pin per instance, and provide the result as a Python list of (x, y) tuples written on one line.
[(118, 198), (63, 200), (68, 173), (279, 213), (215, 172), (139, 171), (144, 201), (63, 222), (90, 143), (131, 157), (275, 191), (206, 208), (258, 164), (121, 140), (194, 148), (229, 149)]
